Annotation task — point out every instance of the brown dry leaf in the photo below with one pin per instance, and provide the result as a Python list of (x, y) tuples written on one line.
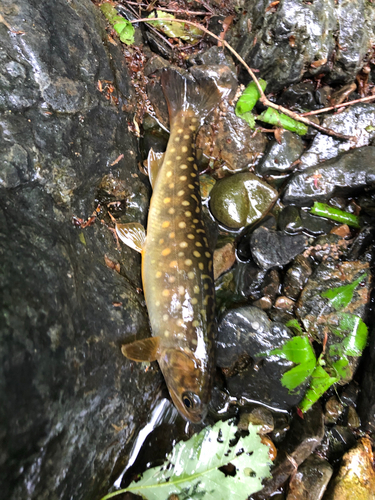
[(112, 264), (272, 5)]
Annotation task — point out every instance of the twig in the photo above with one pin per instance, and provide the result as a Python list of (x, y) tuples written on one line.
[(176, 11), (263, 99), (324, 110)]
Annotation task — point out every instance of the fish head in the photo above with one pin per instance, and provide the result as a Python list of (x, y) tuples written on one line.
[(189, 382)]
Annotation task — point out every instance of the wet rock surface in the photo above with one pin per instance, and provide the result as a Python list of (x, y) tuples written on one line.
[(241, 200), (346, 174), (355, 121), (246, 334), (310, 480), (294, 39), (356, 477), (69, 402), (279, 158), (274, 248), (304, 436)]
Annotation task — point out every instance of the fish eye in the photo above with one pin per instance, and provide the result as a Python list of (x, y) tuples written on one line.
[(190, 400)]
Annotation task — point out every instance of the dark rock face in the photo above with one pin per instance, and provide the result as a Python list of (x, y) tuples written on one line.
[(304, 436), (244, 336), (275, 248), (69, 402), (344, 175), (296, 39)]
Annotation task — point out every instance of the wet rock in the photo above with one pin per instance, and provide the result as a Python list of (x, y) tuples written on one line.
[(315, 311), (230, 140), (285, 304), (283, 43), (258, 416), (294, 220), (213, 56), (243, 246), (70, 403), (355, 37), (302, 439), (356, 477), (271, 284), (347, 174), (296, 277), (333, 410), (249, 279), (366, 403), (354, 421), (362, 243), (356, 121), (297, 39), (330, 246), (279, 158), (299, 97), (241, 199), (244, 336), (336, 442), (264, 303), (311, 479), (275, 248)]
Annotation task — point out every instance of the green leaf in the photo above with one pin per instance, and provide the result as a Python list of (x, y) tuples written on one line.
[(354, 333), (272, 117), (124, 28), (247, 101), (295, 326), (299, 351), (175, 29), (192, 469), (324, 210), (340, 297), (321, 381)]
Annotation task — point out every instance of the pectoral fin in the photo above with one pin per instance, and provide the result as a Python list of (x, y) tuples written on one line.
[(132, 234), (142, 350), (154, 163)]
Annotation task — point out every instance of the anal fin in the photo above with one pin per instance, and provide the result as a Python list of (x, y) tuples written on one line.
[(142, 350), (132, 234)]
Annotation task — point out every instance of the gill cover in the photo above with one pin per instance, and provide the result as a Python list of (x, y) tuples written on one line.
[(188, 381)]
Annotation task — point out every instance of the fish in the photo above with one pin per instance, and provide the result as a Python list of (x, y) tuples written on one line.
[(177, 266)]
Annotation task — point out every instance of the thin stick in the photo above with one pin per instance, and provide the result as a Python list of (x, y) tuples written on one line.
[(263, 99), (176, 11), (324, 110)]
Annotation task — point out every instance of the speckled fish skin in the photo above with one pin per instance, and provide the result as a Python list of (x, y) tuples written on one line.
[(177, 270)]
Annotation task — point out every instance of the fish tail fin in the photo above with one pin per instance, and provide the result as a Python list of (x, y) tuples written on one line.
[(184, 92)]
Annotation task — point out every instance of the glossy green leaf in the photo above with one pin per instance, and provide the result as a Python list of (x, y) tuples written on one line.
[(123, 27), (295, 326), (192, 469), (321, 381), (175, 29), (299, 351), (354, 333), (340, 297), (273, 117), (324, 210), (247, 101)]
